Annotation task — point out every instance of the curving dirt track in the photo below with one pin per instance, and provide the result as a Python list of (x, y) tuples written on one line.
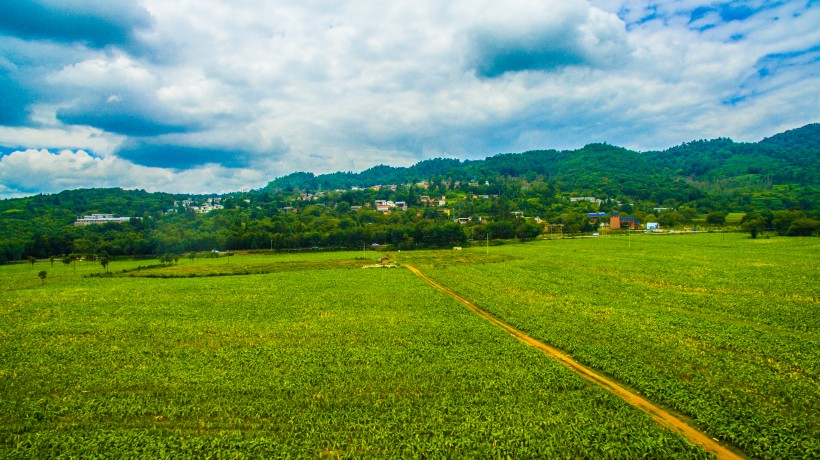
[(660, 415)]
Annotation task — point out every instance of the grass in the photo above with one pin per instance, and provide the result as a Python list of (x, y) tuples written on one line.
[(734, 218), (330, 362), (722, 328)]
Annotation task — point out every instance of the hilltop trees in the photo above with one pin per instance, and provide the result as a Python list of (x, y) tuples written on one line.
[(504, 196)]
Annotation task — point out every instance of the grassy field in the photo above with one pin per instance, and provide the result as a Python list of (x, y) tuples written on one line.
[(309, 355), (303, 355), (720, 327)]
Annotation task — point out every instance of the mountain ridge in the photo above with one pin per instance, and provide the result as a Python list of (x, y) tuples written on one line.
[(793, 155)]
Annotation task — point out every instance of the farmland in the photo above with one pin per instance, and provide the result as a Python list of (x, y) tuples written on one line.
[(323, 362), (308, 355), (722, 328)]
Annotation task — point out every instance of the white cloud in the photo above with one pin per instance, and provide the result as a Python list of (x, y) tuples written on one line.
[(35, 171), (325, 86), (74, 137)]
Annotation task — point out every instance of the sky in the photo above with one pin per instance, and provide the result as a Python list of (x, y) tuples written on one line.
[(217, 96)]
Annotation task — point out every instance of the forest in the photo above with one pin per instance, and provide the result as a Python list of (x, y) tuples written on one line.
[(773, 185)]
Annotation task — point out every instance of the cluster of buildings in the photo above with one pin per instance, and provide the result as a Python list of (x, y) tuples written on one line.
[(209, 205), (386, 206), (426, 200), (306, 196), (99, 219), (614, 221), (591, 199)]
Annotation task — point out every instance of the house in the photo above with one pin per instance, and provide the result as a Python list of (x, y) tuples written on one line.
[(386, 206), (616, 222), (591, 199), (208, 207), (99, 219), (630, 222)]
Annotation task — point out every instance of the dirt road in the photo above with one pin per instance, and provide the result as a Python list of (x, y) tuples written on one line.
[(660, 415)]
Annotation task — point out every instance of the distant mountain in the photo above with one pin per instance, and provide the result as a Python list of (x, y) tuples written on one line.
[(792, 157), (774, 183)]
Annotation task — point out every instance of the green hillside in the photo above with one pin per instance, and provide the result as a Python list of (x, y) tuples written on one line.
[(768, 186), (792, 157)]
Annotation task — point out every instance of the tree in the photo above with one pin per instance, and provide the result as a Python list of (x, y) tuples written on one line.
[(51, 259), (32, 260), (803, 226), (42, 276), (83, 246), (192, 255), (104, 262), (716, 218), (754, 222), (68, 260)]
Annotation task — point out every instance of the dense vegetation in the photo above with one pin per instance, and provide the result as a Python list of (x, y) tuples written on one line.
[(770, 186), (313, 359)]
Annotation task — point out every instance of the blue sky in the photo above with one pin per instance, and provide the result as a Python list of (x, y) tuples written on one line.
[(217, 95)]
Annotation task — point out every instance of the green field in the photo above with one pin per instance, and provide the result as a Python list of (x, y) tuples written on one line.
[(720, 327), (309, 355)]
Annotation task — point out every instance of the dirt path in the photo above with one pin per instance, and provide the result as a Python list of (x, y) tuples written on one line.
[(660, 415)]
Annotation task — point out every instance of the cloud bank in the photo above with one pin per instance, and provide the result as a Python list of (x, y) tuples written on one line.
[(215, 95)]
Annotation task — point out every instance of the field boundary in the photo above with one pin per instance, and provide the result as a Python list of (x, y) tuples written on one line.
[(660, 415)]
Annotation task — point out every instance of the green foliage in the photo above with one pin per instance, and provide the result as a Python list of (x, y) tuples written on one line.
[(295, 363), (722, 328), (491, 196), (42, 275), (716, 218)]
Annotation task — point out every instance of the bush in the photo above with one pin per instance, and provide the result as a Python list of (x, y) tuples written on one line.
[(803, 226)]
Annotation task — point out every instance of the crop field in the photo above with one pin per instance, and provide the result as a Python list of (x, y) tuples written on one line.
[(309, 355), (720, 327), (302, 355)]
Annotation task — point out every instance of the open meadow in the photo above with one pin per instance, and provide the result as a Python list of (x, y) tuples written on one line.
[(719, 327), (309, 355)]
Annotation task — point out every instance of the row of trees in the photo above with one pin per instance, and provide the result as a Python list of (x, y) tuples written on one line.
[(507, 196), (323, 227)]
